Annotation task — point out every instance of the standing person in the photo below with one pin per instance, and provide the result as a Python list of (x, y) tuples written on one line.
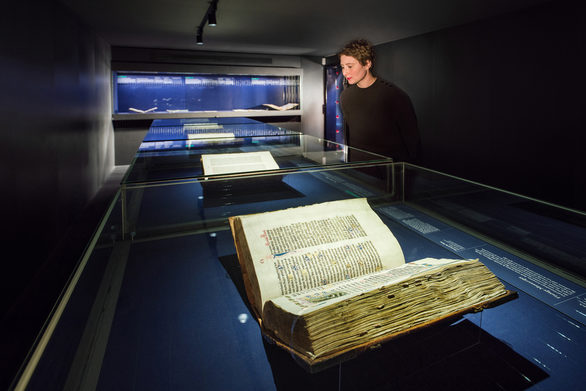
[(378, 115)]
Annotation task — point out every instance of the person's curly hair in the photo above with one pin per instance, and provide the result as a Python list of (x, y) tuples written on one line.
[(360, 49)]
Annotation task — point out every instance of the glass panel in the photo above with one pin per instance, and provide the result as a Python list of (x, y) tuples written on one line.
[(549, 235), (202, 204)]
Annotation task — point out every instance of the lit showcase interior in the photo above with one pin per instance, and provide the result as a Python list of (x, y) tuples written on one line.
[(159, 299), (191, 93)]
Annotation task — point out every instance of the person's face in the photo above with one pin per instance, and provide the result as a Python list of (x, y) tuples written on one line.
[(353, 70)]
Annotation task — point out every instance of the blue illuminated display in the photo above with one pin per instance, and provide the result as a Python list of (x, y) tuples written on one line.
[(334, 128), (172, 93)]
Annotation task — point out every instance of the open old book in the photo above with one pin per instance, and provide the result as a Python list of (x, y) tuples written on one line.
[(229, 163), (288, 106), (330, 278)]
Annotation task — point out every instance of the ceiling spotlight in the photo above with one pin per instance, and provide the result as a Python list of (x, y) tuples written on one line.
[(212, 17), (209, 18), (200, 37)]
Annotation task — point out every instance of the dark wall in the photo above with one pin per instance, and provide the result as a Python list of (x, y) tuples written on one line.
[(501, 101), (57, 150)]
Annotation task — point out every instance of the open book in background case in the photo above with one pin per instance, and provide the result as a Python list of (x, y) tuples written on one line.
[(328, 281), (245, 162), (239, 190)]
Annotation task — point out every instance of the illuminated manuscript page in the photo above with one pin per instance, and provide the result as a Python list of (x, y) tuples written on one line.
[(311, 246)]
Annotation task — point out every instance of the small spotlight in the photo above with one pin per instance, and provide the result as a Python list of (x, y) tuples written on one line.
[(212, 18), (209, 18)]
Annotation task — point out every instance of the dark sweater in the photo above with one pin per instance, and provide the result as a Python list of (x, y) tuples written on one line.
[(381, 119)]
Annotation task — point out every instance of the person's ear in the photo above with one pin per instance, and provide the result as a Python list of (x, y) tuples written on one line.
[(368, 64)]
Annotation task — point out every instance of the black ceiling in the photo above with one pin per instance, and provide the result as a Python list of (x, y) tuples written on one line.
[(298, 27)]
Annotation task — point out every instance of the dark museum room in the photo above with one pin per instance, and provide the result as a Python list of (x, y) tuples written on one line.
[(308, 195)]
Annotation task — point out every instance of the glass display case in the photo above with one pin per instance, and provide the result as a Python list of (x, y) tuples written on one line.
[(166, 94), (165, 307), (172, 152), (179, 158), (164, 132)]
